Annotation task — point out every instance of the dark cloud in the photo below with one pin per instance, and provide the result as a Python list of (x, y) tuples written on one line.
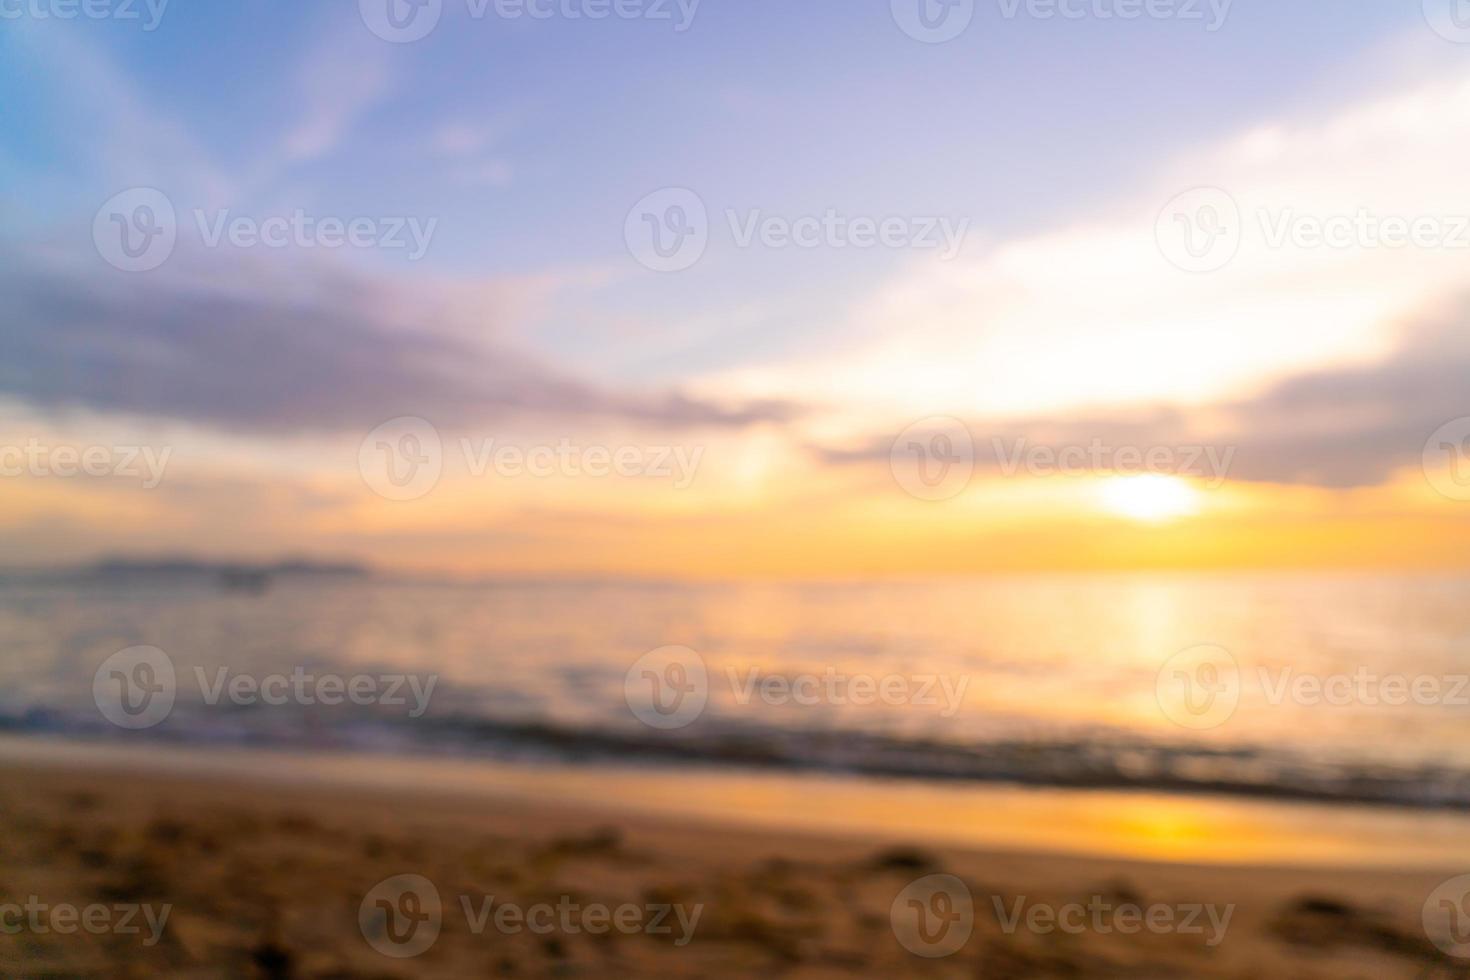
[(265, 356), (1338, 427)]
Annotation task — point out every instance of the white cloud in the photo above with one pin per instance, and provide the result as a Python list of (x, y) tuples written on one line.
[(1093, 313), (343, 77)]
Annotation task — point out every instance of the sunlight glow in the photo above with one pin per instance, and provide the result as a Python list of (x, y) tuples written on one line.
[(1152, 497)]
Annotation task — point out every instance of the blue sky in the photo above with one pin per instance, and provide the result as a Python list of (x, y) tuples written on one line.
[(1016, 123)]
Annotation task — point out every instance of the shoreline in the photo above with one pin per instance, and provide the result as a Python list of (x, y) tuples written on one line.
[(266, 869), (1166, 828)]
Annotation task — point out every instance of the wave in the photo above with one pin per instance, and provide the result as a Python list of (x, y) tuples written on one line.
[(1115, 763)]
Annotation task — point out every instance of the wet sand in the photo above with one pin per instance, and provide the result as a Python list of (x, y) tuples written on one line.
[(270, 879)]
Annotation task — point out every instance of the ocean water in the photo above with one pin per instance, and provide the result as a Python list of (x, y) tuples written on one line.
[(1327, 687)]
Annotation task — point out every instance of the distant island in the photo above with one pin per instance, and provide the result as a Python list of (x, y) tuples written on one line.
[(239, 576)]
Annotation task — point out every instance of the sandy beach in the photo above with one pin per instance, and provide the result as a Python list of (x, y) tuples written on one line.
[(253, 877)]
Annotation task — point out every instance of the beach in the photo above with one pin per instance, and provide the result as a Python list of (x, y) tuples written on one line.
[(230, 871)]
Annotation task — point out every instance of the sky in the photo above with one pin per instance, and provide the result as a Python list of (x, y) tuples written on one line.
[(720, 289)]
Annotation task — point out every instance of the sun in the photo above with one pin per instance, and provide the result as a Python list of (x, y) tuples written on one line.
[(1151, 497)]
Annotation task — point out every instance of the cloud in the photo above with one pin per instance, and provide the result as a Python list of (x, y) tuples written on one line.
[(342, 78), (1336, 427), (282, 351), (1092, 313), (1354, 426)]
